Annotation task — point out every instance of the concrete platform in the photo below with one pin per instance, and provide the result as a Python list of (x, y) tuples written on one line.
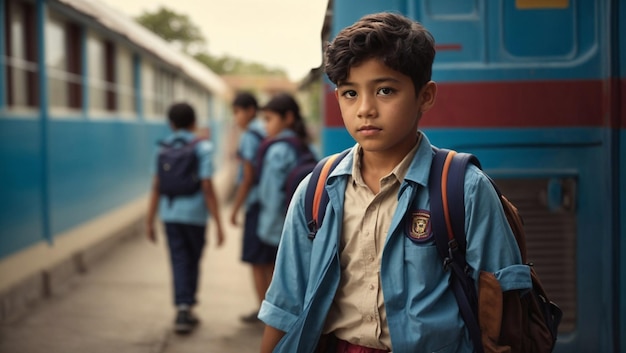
[(124, 304)]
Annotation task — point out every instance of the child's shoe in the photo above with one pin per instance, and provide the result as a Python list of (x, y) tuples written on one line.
[(185, 321)]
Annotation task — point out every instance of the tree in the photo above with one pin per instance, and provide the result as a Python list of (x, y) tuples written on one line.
[(228, 65), (178, 28), (173, 27)]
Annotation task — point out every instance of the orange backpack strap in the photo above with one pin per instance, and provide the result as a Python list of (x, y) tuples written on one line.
[(316, 198)]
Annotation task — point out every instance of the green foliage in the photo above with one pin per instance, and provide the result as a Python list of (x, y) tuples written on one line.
[(173, 27), (228, 65), (178, 28)]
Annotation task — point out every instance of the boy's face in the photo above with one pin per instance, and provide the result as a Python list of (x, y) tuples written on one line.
[(243, 115), (380, 108)]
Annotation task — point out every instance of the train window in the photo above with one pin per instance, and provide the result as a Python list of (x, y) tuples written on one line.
[(74, 65), (57, 63), (147, 85), (163, 90), (96, 74), (21, 58), (125, 82), (109, 76)]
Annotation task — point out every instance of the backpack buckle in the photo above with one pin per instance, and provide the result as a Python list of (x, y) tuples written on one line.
[(446, 263), (312, 225), (453, 247)]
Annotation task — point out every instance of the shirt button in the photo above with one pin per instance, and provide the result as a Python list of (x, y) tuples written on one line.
[(372, 287), (371, 258), (370, 318)]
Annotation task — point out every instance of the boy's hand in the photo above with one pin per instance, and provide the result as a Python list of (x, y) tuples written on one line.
[(233, 217), (220, 238), (151, 233)]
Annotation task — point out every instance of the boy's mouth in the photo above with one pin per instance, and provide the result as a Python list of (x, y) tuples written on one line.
[(368, 130)]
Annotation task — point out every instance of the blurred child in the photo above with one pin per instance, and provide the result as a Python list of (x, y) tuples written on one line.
[(282, 120), (368, 282), (185, 198), (259, 255)]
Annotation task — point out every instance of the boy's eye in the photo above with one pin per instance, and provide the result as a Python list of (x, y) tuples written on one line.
[(385, 91), (349, 94)]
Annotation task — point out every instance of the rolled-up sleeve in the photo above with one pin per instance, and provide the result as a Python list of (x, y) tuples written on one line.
[(491, 244), (284, 300)]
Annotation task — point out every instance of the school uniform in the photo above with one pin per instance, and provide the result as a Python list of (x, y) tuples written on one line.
[(279, 159), (403, 301), (254, 251), (185, 219)]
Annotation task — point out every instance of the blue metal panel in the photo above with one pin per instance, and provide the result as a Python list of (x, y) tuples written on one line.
[(621, 164), (340, 138), (459, 28), (4, 64), (621, 52), (539, 33), (21, 215), (346, 13), (96, 166)]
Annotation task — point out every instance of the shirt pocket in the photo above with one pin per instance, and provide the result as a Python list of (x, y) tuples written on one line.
[(424, 266)]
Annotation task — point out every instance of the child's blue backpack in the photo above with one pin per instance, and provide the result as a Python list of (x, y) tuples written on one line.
[(306, 161), (177, 168)]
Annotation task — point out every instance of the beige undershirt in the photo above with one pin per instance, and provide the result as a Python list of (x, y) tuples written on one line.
[(357, 314)]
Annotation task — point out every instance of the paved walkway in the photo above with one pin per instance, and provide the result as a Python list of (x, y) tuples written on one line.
[(123, 305)]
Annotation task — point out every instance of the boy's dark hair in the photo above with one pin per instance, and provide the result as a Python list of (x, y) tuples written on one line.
[(399, 42), (245, 100), (282, 103), (181, 115)]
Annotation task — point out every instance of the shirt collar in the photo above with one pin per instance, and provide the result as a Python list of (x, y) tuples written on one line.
[(418, 164), (186, 134), (399, 171)]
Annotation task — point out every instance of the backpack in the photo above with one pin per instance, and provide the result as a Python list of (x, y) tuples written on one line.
[(306, 161), (256, 134), (497, 321), (177, 168)]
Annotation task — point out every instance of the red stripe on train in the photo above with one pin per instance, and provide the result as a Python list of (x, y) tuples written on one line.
[(510, 104)]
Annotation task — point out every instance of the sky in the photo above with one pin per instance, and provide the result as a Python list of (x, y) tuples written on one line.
[(277, 33)]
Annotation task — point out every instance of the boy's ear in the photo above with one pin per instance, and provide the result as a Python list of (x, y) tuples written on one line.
[(428, 94), (337, 94), (290, 118)]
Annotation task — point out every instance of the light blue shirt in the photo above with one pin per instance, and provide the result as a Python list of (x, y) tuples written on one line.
[(188, 209), (248, 147), (279, 159), (422, 312)]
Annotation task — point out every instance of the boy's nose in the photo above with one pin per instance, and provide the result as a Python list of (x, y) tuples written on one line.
[(367, 108)]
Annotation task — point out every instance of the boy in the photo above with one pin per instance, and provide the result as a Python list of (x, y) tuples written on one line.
[(185, 217), (369, 282), (258, 254)]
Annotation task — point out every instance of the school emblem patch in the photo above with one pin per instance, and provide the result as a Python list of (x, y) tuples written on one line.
[(419, 226)]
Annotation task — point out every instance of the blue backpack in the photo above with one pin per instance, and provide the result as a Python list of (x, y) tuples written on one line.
[(177, 168), (506, 321), (306, 161)]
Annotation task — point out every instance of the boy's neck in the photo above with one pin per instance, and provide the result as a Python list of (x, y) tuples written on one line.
[(377, 165)]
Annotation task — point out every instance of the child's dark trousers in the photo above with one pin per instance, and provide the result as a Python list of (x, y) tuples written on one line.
[(186, 243)]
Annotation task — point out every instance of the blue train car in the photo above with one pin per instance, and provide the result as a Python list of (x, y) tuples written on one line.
[(536, 89), (83, 96)]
